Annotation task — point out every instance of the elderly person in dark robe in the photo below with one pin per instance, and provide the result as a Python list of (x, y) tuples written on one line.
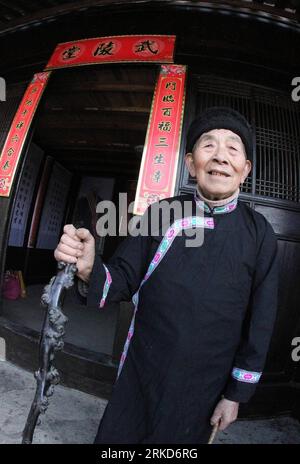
[(204, 315)]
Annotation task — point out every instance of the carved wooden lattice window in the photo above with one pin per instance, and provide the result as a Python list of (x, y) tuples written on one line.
[(276, 120), (278, 146)]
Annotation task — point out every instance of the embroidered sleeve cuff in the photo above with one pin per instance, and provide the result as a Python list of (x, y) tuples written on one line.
[(96, 283), (242, 385)]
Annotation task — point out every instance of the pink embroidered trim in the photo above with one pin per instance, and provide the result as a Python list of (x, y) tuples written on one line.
[(164, 246), (227, 208), (107, 284), (245, 376)]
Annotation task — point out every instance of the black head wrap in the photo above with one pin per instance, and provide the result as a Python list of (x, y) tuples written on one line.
[(219, 117)]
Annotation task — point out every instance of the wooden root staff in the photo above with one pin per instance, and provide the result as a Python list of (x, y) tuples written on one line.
[(51, 341)]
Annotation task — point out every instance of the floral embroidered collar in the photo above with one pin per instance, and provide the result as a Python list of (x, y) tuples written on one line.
[(216, 207)]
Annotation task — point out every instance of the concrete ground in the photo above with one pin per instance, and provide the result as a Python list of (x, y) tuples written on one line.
[(73, 416), (86, 328)]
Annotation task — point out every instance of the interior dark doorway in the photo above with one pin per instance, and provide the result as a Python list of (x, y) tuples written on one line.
[(86, 147)]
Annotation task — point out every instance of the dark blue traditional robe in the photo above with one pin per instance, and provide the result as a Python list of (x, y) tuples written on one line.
[(203, 322)]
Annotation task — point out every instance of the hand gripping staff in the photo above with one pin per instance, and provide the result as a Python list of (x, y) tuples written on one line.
[(51, 340)]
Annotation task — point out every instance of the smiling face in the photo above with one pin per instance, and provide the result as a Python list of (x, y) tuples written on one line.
[(219, 163)]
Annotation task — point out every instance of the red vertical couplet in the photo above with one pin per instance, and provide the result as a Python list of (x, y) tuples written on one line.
[(160, 156), (18, 131)]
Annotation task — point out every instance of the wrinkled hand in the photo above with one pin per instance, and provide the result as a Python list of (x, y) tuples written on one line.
[(225, 413), (77, 246)]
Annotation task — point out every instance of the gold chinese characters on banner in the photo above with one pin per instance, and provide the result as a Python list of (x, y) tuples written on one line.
[(160, 156)]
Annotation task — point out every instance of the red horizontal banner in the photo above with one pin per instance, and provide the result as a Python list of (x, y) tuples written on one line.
[(114, 49), (18, 131), (160, 156)]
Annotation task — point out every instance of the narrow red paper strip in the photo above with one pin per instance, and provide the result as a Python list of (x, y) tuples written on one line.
[(17, 134), (160, 156)]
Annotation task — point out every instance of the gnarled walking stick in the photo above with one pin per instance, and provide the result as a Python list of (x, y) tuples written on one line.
[(51, 340)]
